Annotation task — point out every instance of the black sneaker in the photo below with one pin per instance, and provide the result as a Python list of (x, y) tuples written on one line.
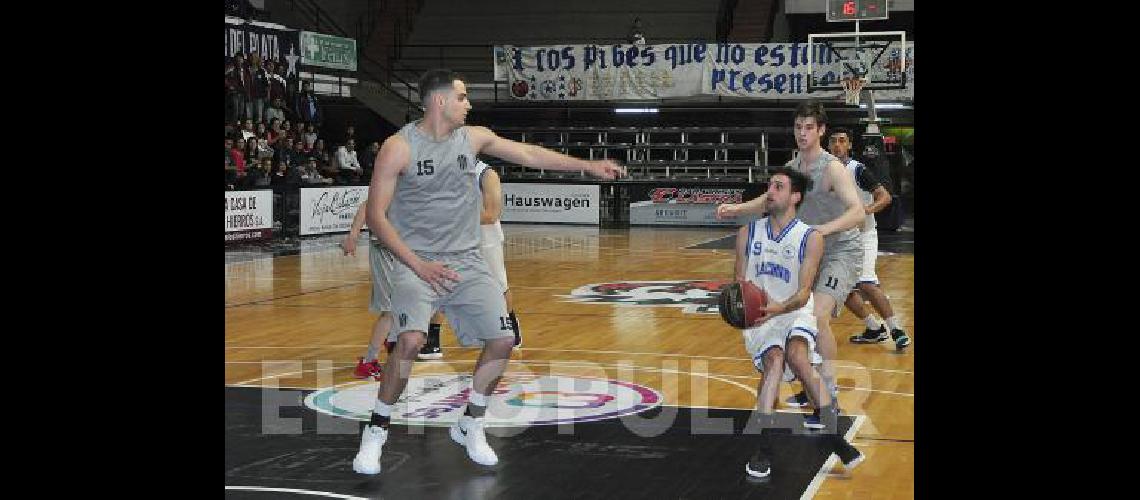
[(901, 340), (430, 350), (870, 336), (759, 465), (849, 455), (798, 400), (813, 421)]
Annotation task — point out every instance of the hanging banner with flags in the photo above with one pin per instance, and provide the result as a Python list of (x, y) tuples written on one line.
[(633, 72), (600, 72), (270, 41), (289, 46)]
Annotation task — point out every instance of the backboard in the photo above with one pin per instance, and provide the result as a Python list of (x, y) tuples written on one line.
[(878, 56)]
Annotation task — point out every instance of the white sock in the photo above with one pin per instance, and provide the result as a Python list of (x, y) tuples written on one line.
[(893, 322), (477, 399), (383, 409), (872, 322)]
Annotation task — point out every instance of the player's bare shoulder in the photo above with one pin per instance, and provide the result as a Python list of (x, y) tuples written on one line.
[(479, 136), (835, 173), (395, 152)]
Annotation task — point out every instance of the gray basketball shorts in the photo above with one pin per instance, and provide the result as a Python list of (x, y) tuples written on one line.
[(475, 307), (839, 271), (380, 263)]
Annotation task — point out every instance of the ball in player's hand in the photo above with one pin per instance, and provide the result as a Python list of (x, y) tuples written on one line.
[(742, 303)]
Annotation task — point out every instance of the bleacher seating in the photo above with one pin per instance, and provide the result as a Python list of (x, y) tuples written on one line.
[(698, 153)]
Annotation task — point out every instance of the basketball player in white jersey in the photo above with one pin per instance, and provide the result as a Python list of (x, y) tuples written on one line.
[(381, 302), (492, 246), (875, 197), (832, 207), (424, 206), (781, 255), (493, 238)]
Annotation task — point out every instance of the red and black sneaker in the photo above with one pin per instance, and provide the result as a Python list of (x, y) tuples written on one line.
[(370, 369)]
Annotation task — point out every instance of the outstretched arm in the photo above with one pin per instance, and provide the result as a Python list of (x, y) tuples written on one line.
[(530, 155)]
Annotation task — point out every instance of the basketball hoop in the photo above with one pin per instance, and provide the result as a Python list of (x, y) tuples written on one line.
[(853, 87)]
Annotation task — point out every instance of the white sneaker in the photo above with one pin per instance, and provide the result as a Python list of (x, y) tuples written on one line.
[(367, 460), (468, 431)]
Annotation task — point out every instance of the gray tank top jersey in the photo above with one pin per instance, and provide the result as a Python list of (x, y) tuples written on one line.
[(819, 206), (437, 201)]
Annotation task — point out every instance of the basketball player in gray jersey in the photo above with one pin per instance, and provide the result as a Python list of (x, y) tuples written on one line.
[(381, 302), (876, 197), (833, 208), (424, 205)]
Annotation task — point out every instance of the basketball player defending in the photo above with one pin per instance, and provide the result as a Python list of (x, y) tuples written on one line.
[(781, 255), (876, 198), (424, 205), (492, 247), (381, 301), (831, 206)]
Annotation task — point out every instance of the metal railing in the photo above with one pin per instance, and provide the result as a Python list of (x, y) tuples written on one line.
[(380, 72)]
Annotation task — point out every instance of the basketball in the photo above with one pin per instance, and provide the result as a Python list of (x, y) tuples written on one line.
[(742, 303)]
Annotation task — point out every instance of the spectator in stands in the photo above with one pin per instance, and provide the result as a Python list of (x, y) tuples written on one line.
[(238, 157), (636, 34), (319, 152), (313, 175), (231, 110), (264, 150), (292, 86), (368, 158), (276, 81), (259, 89), (324, 159), (250, 151), (299, 155), (233, 128), (310, 136), (247, 130), (283, 151), (260, 130), (287, 129), (350, 171), (274, 111), (237, 86), (274, 132), (349, 134), (258, 175), (283, 178), (229, 157), (306, 107)]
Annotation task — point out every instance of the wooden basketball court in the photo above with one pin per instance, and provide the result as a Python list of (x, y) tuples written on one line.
[(301, 321)]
